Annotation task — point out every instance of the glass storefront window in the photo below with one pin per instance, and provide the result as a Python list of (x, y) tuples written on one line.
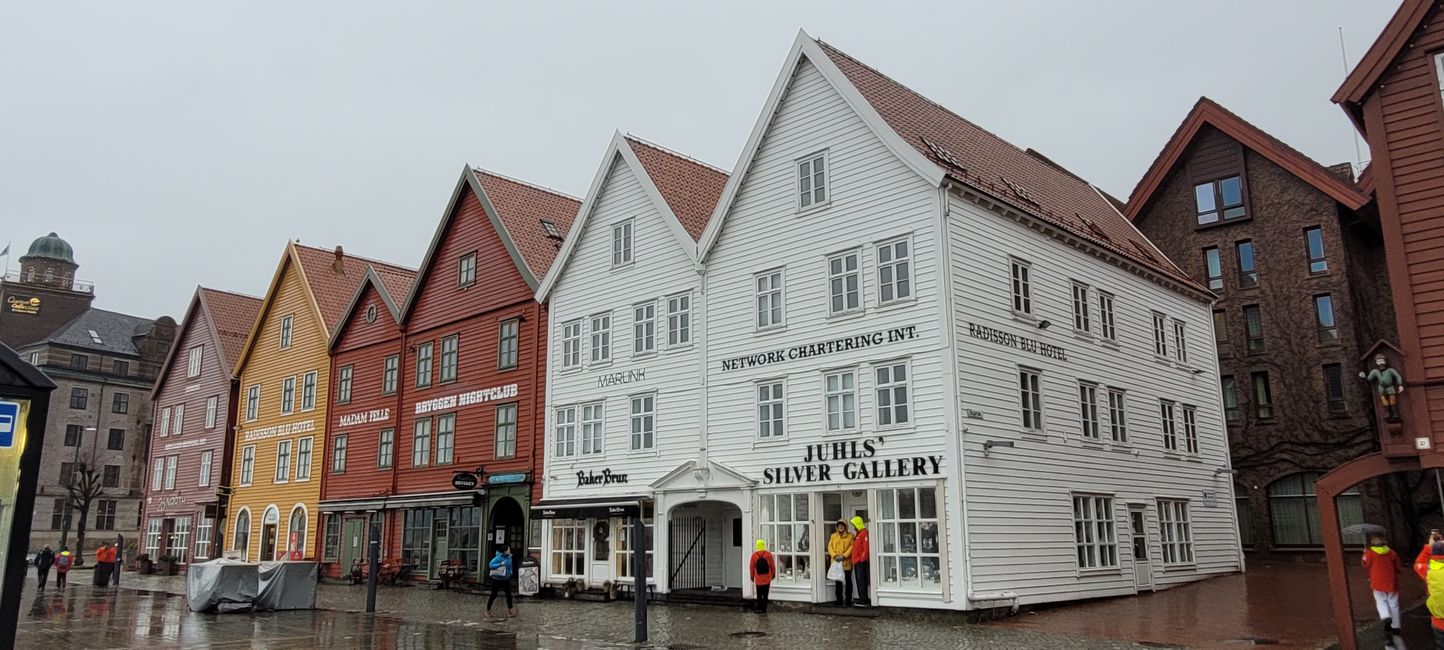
[(787, 529), (907, 543), (464, 538), (204, 528), (180, 539), (569, 545), (624, 548), (416, 539), (152, 539)]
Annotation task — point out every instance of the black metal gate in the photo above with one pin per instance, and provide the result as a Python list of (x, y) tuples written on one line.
[(688, 541)]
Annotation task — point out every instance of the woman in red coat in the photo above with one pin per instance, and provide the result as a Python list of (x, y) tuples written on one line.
[(763, 568)]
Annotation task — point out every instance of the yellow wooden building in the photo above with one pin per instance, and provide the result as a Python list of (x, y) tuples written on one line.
[(285, 385)]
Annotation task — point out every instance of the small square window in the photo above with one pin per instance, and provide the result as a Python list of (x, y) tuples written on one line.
[(812, 181)]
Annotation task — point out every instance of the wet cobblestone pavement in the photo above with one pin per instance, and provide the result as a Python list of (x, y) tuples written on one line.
[(150, 612)]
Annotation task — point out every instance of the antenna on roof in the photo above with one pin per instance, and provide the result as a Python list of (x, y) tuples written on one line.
[(1344, 58)]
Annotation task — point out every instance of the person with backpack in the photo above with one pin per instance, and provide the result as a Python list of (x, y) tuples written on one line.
[(63, 562), (860, 565), (500, 571), (1383, 563), (43, 561), (763, 568), (1430, 566)]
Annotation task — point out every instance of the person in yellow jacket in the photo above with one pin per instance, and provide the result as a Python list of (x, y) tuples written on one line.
[(839, 549)]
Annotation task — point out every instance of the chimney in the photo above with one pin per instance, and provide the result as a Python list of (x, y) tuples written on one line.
[(337, 265)]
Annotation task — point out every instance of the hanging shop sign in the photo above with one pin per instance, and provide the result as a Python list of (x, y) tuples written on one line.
[(480, 396), (364, 417), (621, 377), (287, 429), (604, 477), (464, 481), (23, 304), (507, 479), (1009, 339), (852, 460), (821, 348)]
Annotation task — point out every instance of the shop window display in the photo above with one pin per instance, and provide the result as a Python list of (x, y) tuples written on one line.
[(907, 542), (787, 531)]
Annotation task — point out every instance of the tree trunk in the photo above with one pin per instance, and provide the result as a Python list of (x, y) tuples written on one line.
[(83, 513)]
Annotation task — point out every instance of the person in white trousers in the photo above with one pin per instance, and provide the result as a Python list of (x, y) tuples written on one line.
[(1383, 565)]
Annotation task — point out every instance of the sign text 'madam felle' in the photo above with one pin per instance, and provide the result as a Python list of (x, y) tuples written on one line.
[(805, 350)]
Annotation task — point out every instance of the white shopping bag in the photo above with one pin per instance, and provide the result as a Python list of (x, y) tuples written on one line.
[(835, 573)]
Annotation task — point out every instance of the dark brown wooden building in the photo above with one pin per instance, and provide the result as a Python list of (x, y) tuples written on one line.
[(1297, 263), (44, 294)]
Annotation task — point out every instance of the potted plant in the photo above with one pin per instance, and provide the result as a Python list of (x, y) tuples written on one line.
[(570, 588), (168, 565), (144, 564)]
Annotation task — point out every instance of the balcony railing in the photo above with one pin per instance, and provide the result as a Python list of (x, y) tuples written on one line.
[(81, 286)]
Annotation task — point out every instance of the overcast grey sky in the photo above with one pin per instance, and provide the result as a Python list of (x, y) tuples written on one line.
[(182, 143)]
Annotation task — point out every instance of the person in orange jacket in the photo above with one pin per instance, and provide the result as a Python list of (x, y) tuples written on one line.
[(1383, 564), (1430, 566), (860, 564), (763, 568)]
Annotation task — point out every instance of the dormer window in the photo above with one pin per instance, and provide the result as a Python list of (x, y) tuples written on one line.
[(1220, 199)]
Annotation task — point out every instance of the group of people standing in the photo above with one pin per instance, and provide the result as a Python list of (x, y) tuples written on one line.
[(848, 559), (106, 560)]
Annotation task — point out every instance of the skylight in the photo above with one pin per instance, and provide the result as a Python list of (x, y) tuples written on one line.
[(551, 229), (1021, 192), (943, 154), (94, 336)]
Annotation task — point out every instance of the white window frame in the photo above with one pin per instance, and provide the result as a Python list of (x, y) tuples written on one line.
[(679, 320), (288, 323), (425, 359), (1020, 286), (565, 427), (1168, 418), (1082, 317), (599, 335), (1030, 398), (304, 447), (1175, 532), (207, 458), (309, 382), (248, 464), (391, 374), (288, 395), (157, 474), (386, 448), (1180, 341), (1160, 335), (283, 462), (165, 422), (1118, 415), (644, 328), (213, 406), (1190, 429), (643, 421), (1088, 411), (918, 550), (769, 303), (842, 299), (571, 347), (568, 548), (171, 465), (444, 439), (504, 440), (886, 394), (1107, 320), (786, 525), (1095, 533), (466, 270), (623, 243), (839, 392), (807, 181), (594, 429), (895, 272), (771, 408), (179, 419), (194, 357), (421, 442)]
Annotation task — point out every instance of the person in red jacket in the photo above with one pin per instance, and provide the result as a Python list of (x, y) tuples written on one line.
[(1383, 564), (1430, 566), (763, 568), (860, 564)]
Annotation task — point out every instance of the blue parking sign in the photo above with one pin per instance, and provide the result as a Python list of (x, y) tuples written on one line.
[(9, 422)]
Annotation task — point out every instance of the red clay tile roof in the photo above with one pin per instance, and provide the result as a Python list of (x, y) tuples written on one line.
[(690, 188), (973, 156), (1381, 55), (397, 281), (232, 314), (332, 290), (522, 207), (1208, 112)]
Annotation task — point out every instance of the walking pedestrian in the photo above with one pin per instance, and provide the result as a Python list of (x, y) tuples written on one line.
[(63, 562), (839, 549), (43, 561), (1383, 564), (860, 564), (763, 568), (500, 572), (104, 564)]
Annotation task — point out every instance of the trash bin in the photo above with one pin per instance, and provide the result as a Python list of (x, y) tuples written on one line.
[(528, 577)]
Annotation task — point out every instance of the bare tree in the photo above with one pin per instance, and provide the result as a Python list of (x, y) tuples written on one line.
[(82, 487)]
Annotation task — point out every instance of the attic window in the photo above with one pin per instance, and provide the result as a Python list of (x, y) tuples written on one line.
[(551, 229), (1020, 191), (371, 313), (94, 336), (943, 154)]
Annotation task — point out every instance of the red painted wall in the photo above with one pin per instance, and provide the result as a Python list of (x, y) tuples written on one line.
[(363, 346)]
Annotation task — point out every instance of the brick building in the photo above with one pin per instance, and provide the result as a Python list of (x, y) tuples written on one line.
[(44, 294)]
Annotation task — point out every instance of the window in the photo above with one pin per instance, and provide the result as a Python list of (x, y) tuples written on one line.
[(152, 536), (416, 536), (1253, 327), (622, 243), (624, 555), (421, 443), (1117, 415), (331, 538), (308, 391), (157, 473), (679, 319), (384, 448), (283, 461), (73, 432), (572, 344), (213, 404), (1022, 287), (569, 547), (193, 361), (1244, 508), (1294, 509), (1334, 388), (343, 384), (241, 541), (1247, 273), (115, 441), (1213, 265), (1093, 532), (449, 348), (389, 368), (79, 362), (248, 464), (1088, 410), (593, 434), (907, 542), (506, 346), (286, 322), (117, 367), (423, 364), (179, 419), (296, 528), (566, 431), (840, 390), (105, 514), (769, 299), (601, 336), (1082, 321), (1180, 342), (1220, 332), (253, 402), (120, 403), (644, 329), (505, 431), (1263, 401), (303, 459), (205, 470), (170, 468), (1160, 335), (1190, 429), (338, 454), (812, 181), (466, 270), (1168, 417), (1221, 197), (110, 476), (445, 439), (288, 395), (1231, 411), (1107, 326), (1315, 240), (771, 422), (644, 421), (59, 513), (894, 271), (1030, 390), (843, 283), (786, 528), (1176, 532), (205, 527), (1324, 310), (67, 473), (892, 394), (79, 398)]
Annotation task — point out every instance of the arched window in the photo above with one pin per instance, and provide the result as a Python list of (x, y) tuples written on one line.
[(242, 541), (1244, 512), (49, 275), (296, 533), (1294, 509), (30, 274)]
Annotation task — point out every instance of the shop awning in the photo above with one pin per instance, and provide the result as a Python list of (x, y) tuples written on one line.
[(430, 500), (598, 508)]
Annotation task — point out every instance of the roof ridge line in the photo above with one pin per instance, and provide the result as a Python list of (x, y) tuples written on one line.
[(363, 258), (673, 152), (227, 291), (518, 181)]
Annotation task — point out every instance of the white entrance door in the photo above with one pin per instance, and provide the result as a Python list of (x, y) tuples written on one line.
[(1142, 566)]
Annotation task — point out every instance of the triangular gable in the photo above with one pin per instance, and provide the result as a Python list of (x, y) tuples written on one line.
[(1207, 112), (193, 312), (230, 316), (623, 147), (1365, 76), (23, 376), (374, 280), (690, 476), (289, 259), (690, 187)]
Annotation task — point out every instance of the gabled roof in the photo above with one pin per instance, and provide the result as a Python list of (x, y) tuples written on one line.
[(228, 317), (1365, 76), (683, 190), (1207, 112), (517, 210), (943, 147), (32, 377), (102, 331), (389, 284)]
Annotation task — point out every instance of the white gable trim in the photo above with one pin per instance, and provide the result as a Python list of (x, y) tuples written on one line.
[(806, 46), (617, 148), (500, 227), (710, 475)]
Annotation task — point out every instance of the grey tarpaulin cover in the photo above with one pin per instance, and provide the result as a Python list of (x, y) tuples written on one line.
[(223, 584), (287, 585)]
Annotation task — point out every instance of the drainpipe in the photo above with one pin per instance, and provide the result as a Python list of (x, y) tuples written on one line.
[(700, 332)]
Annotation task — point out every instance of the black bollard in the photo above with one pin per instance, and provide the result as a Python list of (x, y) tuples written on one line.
[(374, 560), (639, 575)]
